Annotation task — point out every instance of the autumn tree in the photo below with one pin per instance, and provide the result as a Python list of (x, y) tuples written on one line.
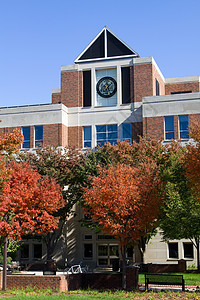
[(124, 200), (147, 151), (64, 166), (28, 203)]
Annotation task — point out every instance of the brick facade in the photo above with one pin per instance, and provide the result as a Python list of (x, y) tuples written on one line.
[(72, 88), (143, 83), (56, 98), (75, 137), (154, 127), (182, 87), (157, 76)]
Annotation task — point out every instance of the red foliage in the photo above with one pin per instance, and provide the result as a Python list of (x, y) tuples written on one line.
[(10, 142), (124, 200), (28, 202)]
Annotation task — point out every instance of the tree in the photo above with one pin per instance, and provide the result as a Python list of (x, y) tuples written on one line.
[(180, 216), (192, 160), (64, 166), (124, 200), (147, 151), (28, 203)]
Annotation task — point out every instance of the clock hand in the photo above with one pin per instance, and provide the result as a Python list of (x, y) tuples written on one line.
[(106, 86)]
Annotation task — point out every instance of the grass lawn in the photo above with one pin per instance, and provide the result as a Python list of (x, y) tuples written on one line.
[(190, 278), (106, 295)]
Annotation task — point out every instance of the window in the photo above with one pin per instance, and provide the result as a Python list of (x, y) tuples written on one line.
[(183, 127), (38, 136), (88, 250), (188, 250), (101, 101), (169, 128), (87, 137), (86, 88), (173, 250), (26, 134), (107, 253), (126, 91), (107, 133), (88, 237), (183, 92), (126, 132), (24, 251), (37, 250), (157, 88)]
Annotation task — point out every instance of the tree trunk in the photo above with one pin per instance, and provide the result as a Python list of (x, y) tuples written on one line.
[(198, 263), (4, 284), (123, 251)]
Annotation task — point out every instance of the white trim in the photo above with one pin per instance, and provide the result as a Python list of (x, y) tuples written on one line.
[(94, 39), (105, 29), (182, 79), (56, 91)]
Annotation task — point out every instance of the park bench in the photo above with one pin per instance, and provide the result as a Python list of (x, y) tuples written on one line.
[(164, 279)]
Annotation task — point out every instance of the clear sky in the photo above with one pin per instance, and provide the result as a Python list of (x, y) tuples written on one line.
[(38, 36)]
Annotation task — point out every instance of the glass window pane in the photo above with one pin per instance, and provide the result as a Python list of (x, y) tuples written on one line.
[(112, 135), (183, 122), (188, 250), (101, 136), (37, 250), (169, 127), (112, 127), (101, 128), (102, 250), (87, 132), (169, 135), (126, 132), (88, 253), (87, 136), (184, 135), (169, 123), (26, 133), (38, 133), (87, 144), (25, 251), (173, 250)]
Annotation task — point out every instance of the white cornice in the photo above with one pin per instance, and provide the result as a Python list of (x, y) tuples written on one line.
[(182, 79)]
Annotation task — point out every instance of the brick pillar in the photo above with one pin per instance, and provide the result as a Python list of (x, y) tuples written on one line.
[(132, 277), (1, 278), (181, 265)]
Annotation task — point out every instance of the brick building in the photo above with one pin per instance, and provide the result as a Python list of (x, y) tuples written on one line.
[(109, 93)]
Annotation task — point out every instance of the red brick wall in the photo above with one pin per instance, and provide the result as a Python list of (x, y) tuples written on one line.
[(143, 83), (74, 282), (72, 88), (180, 87), (75, 137), (154, 127), (7, 130), (56, 98), (194, 118), (55, 283), (157, 76), (53, 135)]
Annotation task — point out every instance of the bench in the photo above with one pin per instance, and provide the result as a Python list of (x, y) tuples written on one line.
[(164, 279)]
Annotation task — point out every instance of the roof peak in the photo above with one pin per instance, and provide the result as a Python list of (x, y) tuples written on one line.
[(106, 45)]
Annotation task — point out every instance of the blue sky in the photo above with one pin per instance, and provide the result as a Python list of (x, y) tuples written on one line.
[(38, 36)]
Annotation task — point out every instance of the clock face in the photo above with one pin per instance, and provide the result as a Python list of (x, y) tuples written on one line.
[(106, 87)]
